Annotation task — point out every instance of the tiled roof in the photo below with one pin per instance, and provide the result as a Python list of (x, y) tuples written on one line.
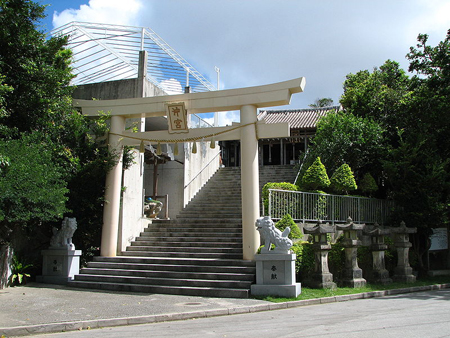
[(297, 118)]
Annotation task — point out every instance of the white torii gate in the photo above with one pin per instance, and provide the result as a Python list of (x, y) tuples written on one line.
[(247, 100)]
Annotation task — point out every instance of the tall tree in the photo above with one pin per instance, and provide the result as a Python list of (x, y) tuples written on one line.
[(384, 96), (36, 112), (345, 138), (416, 115), (37, 69), (323, 102)]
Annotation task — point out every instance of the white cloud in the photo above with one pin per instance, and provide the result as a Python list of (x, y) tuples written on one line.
[(118, 12), (257, 42), (228, 117), (433, 19), (209, 120), (172, 86), (225, 118)]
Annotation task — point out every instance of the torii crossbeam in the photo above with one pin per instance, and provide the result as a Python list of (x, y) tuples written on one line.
[(246, 100)]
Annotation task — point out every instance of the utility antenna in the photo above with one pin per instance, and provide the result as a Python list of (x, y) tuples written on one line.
[(218, 76), (216, 114)]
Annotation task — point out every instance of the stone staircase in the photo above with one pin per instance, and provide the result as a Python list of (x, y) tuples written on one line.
[(199, 253)]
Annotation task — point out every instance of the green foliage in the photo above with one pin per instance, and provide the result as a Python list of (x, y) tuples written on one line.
[(365, 261), (305, 261), (275, 185), (323, 102), (383, 96), (4, 164), (308, 293), (342, 180), (342, 138), (32, 189), (4, 89), (414, 112), (336, 259), (316, 176), (37, 70), (18, 272), (320, 207), (287, 221), (36, 111), (368, 185)]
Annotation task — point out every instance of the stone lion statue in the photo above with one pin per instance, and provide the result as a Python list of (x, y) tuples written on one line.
[(62, 238), (272, 235)]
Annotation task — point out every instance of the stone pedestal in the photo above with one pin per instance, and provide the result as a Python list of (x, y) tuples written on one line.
[(379, 275), (275, 275), (352, 274), (322, 277), (60, 266), (403, 271)]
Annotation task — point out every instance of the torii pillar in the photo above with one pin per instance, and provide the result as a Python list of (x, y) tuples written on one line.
[(247, 100), (111, 208), (249, 182)]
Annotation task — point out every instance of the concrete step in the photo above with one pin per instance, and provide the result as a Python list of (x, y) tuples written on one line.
[(179, 290), (196, 275), (191, 236), (190, 255), (184, 249), (197, 253), (192, 232), (177, 261), (183, 268), (164, 281), (182, 242), (189, 227), (194, 215), (196, 229), (210, 211), (220, 241), (215, 206), (203, 220)]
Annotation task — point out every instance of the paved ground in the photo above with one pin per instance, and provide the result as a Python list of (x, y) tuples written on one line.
[(40, 308), (419, 315)]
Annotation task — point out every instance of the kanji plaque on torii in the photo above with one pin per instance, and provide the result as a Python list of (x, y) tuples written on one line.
[(177, 118)]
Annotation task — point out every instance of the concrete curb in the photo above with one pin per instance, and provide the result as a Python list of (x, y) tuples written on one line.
[(102, 323)]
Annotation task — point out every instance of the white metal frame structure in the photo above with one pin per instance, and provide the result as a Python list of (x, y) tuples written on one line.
[(103, 52)]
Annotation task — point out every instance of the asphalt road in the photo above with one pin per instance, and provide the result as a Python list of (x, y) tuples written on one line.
[(421, 314)]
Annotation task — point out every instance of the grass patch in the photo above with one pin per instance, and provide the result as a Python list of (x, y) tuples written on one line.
[(308, 293)]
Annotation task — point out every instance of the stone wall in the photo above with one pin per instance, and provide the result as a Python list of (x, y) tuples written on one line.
[(173, 176), (122, 89)]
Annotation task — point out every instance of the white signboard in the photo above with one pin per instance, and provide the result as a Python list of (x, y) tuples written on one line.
[(439, 239)]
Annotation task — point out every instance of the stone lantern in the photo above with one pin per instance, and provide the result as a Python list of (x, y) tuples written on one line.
[(380, 274), (352, 273), (322, 277), (403, 271)]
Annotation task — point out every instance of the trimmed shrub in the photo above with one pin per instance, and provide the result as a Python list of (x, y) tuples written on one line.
[(316, 176), (275, 185), (368, 185), (343, 180), (287, 221)]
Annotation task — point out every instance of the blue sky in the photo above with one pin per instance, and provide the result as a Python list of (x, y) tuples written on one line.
[(256, 42)]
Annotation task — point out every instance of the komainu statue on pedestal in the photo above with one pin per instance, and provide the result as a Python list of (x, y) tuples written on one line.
[(272, 235), (62, 238)]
